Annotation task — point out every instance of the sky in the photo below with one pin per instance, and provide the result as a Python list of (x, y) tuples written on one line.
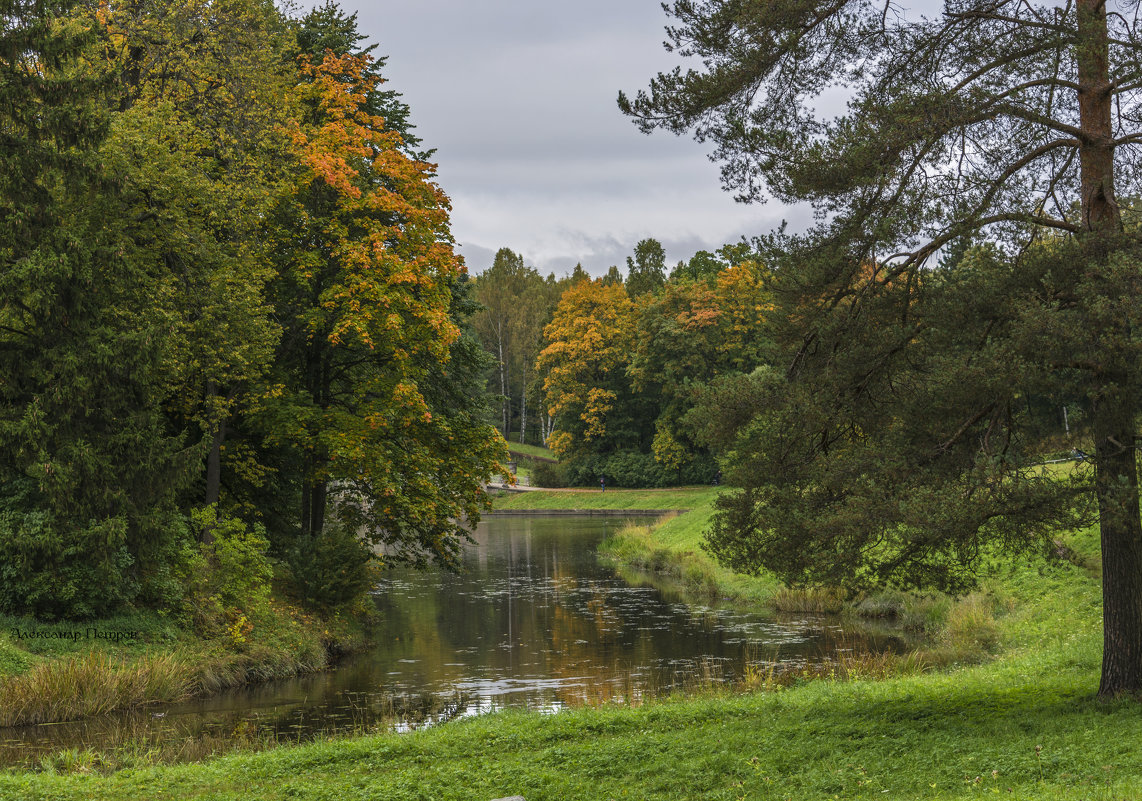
[(518, 98)]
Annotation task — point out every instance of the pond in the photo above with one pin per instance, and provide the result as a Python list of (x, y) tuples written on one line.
[(533, 621)]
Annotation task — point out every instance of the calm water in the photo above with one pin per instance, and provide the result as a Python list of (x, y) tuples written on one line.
[(534, 621)]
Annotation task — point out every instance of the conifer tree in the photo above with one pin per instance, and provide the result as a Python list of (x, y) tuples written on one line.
[(897, 446), (88, 473)]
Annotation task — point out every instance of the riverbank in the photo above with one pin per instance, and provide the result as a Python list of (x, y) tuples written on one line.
[(670, 548), (53, 672), (1024, 725)]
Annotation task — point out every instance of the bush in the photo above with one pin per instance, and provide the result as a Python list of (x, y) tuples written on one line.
[(627, 469), (51, 571), (331, 570), (228, 577), (634, 470), (547, 474)]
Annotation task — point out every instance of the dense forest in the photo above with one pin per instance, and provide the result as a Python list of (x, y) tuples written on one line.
[(233, 325)]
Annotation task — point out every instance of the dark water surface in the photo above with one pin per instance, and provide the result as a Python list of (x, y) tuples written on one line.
[(534, 621)]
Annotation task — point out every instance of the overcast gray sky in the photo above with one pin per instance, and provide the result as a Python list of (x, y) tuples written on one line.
[(518, 98)]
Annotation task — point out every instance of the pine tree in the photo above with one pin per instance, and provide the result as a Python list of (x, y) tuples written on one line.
[(897, 447)]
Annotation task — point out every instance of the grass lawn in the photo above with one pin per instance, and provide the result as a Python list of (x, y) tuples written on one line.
[(673, 498), (531, 450)]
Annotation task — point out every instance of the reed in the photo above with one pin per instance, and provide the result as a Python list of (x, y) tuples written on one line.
[(97, 682)]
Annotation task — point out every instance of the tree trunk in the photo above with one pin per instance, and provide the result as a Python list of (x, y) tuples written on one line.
[(505, 404), (523, 406), (1113, 395), (314, 490), (213, 462), (1116, 485)]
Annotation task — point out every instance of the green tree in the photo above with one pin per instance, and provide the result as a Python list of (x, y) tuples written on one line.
[(498, 289), (613, 276), (198, 149), (89, 474), (989, 119), (690, 334), (646, 272)]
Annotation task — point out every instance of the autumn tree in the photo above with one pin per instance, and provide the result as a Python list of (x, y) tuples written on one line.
[(585, 361), (328, 28), (1003, 121), (356, 421)]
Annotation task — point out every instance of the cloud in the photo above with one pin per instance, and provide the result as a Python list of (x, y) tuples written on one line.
[(518, 97)]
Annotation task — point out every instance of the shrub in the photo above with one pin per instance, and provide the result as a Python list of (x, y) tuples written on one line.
[(548, 474), (52, 571), (228, 576), (629, 469), (332, 569)]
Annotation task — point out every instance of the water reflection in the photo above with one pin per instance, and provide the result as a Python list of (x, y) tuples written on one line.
[(534, 621)]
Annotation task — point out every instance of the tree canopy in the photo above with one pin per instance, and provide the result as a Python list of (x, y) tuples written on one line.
[(229, 302)]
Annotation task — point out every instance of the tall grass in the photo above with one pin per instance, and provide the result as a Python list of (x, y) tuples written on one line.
[(91, 684), (70, 684), (819, 600)]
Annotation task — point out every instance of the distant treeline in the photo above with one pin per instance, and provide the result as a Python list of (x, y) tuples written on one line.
[(618, 375)]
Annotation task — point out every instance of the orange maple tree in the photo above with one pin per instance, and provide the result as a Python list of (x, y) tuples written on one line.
[(366, 273)]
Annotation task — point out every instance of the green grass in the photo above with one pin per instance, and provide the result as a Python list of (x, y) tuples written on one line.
[(672, 549), (1022, 725), (673, 498), (531, 450)]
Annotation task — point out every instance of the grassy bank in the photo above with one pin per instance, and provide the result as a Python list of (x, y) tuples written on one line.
[(672, 548), (949, 630), (679, 498), (532, 451), (52, 672), (1022, 726)]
